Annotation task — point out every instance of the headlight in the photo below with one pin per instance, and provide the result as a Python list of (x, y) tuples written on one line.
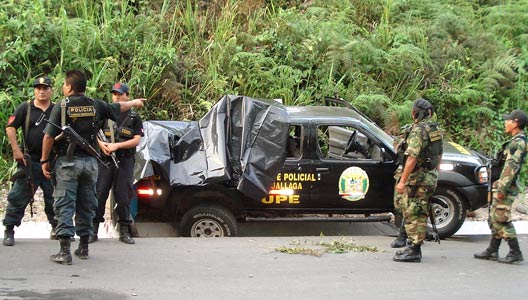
[(482, 174)]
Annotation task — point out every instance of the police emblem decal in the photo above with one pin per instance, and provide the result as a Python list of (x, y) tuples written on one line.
[(353, 184)]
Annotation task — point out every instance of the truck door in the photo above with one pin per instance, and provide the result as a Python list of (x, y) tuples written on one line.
[(293, 183), (352, 169)]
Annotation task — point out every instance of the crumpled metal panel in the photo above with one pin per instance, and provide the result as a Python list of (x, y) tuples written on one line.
[(241, 140)]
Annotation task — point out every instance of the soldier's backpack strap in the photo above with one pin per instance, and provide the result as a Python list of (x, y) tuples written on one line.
[(63, 112), (26, 125)]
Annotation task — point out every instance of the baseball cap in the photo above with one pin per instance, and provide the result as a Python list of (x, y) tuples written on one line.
[(517, 115), (42, 81), (121, 88)]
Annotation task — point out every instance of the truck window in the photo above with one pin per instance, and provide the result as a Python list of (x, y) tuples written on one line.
[(293, 147), (345, 142)]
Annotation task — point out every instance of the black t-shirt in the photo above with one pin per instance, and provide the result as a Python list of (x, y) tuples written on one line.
[(100, 111), (36, 126)]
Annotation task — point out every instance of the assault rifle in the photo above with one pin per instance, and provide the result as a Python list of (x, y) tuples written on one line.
[(29, 179), (490, 187), (113, 156), (76, 140)]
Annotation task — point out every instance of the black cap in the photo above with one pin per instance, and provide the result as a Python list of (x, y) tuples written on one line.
[(519, 116), (42, 81), (121, 88), (421, 103)]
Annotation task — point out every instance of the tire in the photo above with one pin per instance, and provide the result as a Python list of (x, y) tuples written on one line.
[(208, 221), (449, 212)]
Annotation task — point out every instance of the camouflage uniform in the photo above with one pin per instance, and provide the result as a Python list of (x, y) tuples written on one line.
[(400, 146), (510, 159), (500, 215), (419, 186)]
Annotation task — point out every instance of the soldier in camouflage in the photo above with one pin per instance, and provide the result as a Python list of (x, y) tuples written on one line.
[(419, 178), (506, 190), (400, 145)]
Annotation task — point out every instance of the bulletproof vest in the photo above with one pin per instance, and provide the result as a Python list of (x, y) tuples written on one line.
[(501, 157), (80, 115), (123, 131), (433, 152)]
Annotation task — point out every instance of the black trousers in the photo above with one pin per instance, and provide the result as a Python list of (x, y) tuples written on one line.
[(120, 181)]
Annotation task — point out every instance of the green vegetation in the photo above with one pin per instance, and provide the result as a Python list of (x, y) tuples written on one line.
[(469, 57), (320, 248)]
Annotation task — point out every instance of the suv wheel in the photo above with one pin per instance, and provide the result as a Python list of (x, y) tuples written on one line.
[(208, 221), (449, 212)]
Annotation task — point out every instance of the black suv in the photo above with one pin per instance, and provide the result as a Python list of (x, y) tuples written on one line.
[(256, 160)]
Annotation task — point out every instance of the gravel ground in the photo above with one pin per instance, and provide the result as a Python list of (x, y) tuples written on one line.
[(40, 216)]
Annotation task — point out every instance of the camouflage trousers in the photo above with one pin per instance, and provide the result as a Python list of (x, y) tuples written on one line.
[(398, 198), (415, 207), (500, 220)]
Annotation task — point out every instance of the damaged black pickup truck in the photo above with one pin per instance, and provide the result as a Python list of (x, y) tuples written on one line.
[(257, 160)]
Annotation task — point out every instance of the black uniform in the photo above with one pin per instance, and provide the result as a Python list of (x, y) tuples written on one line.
[(76, 176), (119, 179), (20, 195)]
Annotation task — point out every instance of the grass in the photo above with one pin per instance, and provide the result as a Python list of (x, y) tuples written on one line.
[(322, 247)]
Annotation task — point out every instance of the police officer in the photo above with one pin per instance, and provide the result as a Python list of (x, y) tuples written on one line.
[(76, 168), (121, 138), (506, 189), (28, 116), (419, 177), (400, 145)]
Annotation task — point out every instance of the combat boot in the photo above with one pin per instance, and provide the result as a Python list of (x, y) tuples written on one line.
[(82, 251), (124, 234), (94, 237), (64, 256), (492, 252), (401, 240), (412, 253), (9, 236), (515, 255)]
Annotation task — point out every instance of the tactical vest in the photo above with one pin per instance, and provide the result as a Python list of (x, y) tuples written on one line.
[(501, 157), (79, 112), (122, 132), (432, 154)]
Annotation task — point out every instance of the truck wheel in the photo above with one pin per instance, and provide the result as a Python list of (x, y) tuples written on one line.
[(208, 221), (449, 212)]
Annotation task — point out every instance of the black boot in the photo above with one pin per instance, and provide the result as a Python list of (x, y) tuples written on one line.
[(124, 234), (515, 255), (94, 237), (64, 256), (412, 253), (492, 252), (9, 236), (401, 240), (82, 250)]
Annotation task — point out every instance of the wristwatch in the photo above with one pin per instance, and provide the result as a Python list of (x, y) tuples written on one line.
[(44, 161)]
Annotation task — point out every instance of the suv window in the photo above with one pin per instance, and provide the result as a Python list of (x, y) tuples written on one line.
[(343, 142), (294, 146)]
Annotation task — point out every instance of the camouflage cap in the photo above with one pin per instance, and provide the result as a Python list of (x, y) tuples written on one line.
[(517, 115), (43, 80)]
